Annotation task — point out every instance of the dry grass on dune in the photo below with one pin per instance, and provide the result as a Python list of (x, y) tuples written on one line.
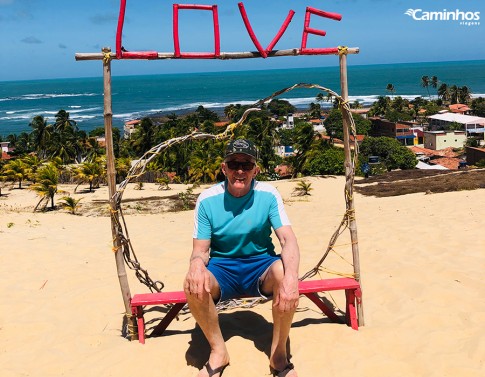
[(404, 182)]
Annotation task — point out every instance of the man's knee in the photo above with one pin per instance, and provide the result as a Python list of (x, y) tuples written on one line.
[(277, 271), (274, 275)]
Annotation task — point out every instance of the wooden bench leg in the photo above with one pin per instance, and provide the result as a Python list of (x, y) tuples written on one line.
[(324, 308), (141, 324), (172, 313), (351, 312)]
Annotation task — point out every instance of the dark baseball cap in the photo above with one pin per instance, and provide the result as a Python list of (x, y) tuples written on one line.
[(243, 146)]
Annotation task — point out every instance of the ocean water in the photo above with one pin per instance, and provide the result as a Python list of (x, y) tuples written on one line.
[(137, 96)]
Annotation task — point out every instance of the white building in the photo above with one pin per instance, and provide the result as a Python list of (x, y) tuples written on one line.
[(290, 122), (438, 140), (474, 126)]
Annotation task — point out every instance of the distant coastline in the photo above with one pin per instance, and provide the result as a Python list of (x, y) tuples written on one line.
[(146, 95)]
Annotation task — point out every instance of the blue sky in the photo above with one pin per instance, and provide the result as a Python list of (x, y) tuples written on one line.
[(39, 38)]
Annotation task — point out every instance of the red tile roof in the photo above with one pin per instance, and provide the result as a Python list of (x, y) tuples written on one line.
[(459, 108), (447, 152), (447, 162), (358, 137)]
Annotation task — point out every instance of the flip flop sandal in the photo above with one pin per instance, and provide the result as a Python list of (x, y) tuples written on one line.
[(211, 371), (281, 373)]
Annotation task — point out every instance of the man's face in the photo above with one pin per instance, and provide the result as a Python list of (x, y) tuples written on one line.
[(239, 169)]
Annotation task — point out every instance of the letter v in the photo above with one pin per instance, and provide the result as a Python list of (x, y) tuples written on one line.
[(264, 53)]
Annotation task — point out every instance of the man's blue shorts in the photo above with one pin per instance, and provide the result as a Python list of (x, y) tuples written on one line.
[(240, 276)]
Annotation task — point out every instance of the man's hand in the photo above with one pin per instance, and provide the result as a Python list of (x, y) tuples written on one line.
[(197, 280), (287, 295)]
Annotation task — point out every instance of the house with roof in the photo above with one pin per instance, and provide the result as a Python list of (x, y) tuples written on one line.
[(399, 131), (472, 125), (130, 127), (436, 159), (459, 108), (318, 125), (473, 155), (438, 140), (5, 149)]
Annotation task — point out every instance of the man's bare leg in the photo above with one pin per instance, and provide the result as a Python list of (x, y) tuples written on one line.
[(281, 321), (205, 313)]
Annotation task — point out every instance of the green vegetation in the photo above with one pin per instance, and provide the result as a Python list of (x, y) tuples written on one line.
[(47, 179), (390, 151), (70, 204), (302, 188)]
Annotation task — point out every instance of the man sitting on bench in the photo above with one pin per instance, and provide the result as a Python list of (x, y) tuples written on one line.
[(233, 256)]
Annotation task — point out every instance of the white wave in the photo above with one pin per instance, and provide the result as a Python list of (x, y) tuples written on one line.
[(37, 96), (21, 111), (95, 109), (81, 117)]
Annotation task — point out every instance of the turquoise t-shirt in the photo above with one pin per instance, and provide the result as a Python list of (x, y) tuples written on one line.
[(239, 227)]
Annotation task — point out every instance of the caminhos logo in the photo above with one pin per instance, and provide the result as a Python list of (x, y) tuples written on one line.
[(466, 18)]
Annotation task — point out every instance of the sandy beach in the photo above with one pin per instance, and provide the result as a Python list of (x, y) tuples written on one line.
[(422, 262)]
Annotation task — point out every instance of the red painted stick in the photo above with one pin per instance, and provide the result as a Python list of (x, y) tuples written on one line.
[(318, 12), (308, 30), (217, 38), (119, 30), (139, 55), (249, 28), (282, 30), (195, 6), (176, 41)]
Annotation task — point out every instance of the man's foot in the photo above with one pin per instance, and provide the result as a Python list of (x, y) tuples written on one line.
[(289, 371)]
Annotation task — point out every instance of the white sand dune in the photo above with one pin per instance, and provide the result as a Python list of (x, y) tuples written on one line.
[(422, 262)]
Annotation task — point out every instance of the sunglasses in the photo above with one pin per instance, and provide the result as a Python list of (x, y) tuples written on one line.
[(236, 165)]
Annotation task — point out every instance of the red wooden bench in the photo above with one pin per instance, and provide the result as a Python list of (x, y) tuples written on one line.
[(309, 288)]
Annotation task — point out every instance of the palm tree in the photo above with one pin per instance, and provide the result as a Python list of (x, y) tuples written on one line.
[(41, 133), (122, 166), (465, 94), (444, 92), (425, 84), (90, 172), (63, 122), (454, 94), (47, 178), (434, 82), (204, 165), (64, 145), (390, 88), (304, 137), (381, 106), (16, 170), (143, 138), (94, 150), (303, 188), (70, 204), (315, 110), (34, 163)]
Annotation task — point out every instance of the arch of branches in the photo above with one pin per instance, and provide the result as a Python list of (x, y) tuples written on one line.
[(122, 245)]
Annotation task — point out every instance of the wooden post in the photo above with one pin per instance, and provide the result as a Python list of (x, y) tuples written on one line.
[(349, 174), (111, 173)]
